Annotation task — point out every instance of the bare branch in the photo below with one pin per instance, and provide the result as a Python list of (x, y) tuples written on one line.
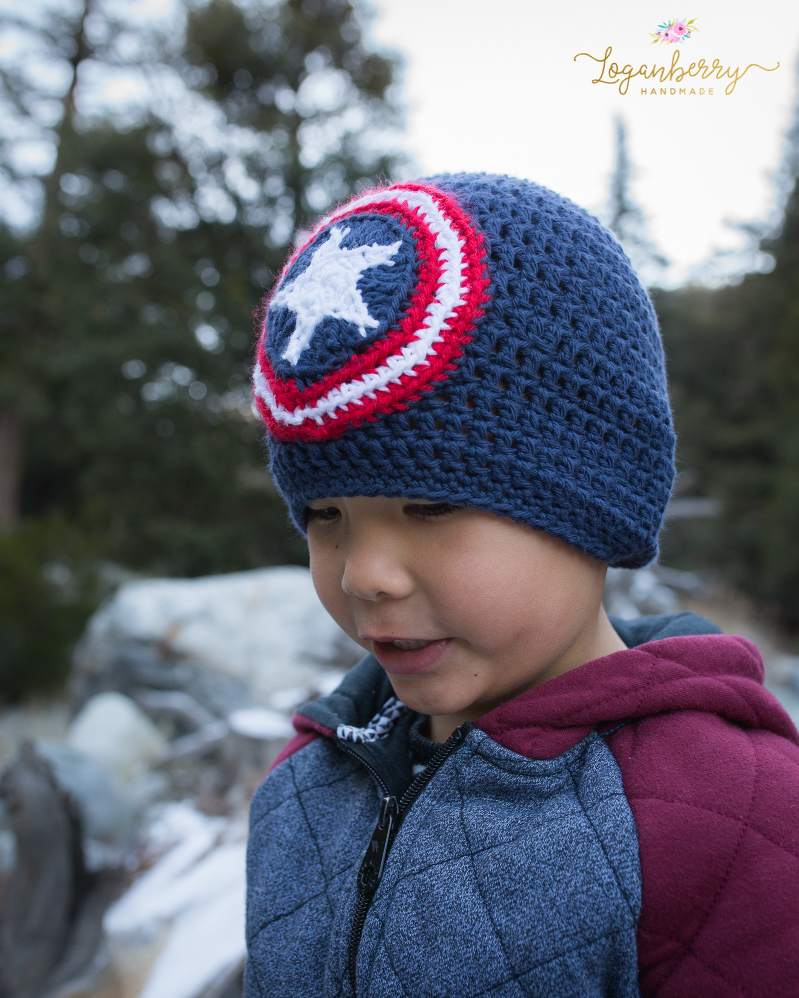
[(14, 91), (9, 21), (9, 170)]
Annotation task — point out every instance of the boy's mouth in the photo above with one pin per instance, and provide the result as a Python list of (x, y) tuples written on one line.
[(408, 655), (407, 645)]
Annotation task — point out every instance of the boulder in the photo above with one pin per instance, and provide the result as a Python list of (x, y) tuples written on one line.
[(227, 640), (118, 735), (107, 813)]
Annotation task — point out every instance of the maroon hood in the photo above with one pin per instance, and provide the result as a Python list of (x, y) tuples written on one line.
[(715, 673)]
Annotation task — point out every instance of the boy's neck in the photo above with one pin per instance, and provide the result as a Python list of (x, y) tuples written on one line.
[(594, 642)]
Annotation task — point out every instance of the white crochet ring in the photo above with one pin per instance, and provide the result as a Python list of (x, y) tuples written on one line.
[(409, 358)]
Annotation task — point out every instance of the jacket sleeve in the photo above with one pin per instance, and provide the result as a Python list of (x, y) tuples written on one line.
[(717, 810)]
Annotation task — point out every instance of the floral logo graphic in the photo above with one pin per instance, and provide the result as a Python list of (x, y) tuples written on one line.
[(672, 32)]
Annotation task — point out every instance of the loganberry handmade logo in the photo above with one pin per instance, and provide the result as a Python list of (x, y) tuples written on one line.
[(698, 78)]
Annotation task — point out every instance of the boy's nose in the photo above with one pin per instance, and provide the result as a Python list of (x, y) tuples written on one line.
[(373, 572)]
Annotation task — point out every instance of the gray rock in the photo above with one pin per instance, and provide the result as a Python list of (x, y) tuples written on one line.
[(631, 593), (179, 707), (226, 640), (134, 666), (115, 733)]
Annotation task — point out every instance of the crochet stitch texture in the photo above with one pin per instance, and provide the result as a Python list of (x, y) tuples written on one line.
[(541, 395)]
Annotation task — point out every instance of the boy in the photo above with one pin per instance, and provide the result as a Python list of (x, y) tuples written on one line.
[(463, 385)]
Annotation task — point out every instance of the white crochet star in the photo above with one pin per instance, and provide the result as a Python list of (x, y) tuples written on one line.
[(329, 287)]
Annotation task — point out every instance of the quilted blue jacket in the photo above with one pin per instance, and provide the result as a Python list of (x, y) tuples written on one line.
[(489, 874)]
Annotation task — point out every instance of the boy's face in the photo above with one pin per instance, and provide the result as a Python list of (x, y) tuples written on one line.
[(464, 609)]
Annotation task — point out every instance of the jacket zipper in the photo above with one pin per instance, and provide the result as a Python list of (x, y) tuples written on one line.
[(392, 812)]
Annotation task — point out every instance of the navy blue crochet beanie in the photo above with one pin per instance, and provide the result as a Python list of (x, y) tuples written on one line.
[(476, 340)]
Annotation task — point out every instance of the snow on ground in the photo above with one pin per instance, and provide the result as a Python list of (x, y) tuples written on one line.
[(193, 896)]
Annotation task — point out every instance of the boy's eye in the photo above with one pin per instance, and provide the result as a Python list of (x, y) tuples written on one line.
[(432, 511), (325, 515)]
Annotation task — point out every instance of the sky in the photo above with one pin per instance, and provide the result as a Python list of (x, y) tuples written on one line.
[(495, 87)]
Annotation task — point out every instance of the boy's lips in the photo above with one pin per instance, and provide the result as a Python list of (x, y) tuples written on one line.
[(408, 655)]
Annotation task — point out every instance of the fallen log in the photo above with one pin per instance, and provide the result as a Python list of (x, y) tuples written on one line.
[(52, 906)]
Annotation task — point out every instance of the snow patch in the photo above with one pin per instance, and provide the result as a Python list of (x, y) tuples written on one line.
[(195, 894), (259, 722)]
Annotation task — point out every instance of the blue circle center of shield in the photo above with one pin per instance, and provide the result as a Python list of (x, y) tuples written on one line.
[(310, 333)]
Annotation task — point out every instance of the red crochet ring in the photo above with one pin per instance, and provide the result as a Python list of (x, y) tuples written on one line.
[(409, 358)]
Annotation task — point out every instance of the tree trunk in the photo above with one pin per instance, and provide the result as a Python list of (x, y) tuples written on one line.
[(10, 468)]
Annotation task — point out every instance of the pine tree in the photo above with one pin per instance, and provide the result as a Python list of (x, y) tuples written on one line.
[(625, 217), (128, 309)]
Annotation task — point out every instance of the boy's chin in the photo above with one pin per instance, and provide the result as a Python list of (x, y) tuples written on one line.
[(420, 694)]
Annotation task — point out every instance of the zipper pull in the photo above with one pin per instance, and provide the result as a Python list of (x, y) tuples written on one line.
[(375, 859)]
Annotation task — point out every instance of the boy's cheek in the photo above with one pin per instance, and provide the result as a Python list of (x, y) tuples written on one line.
[(326, 573), (339, 609)]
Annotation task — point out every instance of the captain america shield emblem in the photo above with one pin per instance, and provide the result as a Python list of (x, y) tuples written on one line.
[(373, 310)]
